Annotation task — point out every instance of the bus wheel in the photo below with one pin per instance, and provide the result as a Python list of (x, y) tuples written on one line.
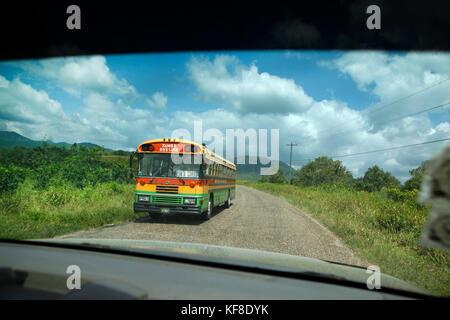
[(209, 210), (228, 203)]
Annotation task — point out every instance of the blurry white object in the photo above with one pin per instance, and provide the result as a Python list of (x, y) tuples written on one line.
[(435, 190)]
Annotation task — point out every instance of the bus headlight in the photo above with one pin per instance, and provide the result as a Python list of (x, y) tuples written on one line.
[(189, 200), (144, 198)]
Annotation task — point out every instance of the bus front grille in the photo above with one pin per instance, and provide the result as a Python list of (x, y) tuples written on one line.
[(167, 189), (168, 200)]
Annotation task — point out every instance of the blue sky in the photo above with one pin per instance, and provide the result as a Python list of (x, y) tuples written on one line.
[(324, 100), (167, 73)]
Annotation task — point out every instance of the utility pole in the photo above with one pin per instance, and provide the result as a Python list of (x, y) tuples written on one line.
[(290, 161)]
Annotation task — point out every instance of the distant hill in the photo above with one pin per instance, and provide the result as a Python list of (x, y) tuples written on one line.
[(249, 171), (10, 139)]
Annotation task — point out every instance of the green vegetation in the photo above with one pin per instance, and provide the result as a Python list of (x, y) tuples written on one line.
[(10, 177), (46, 166), (50, 191), (276, 178), (379, 219), (376, 179), (417, 177), (28, 213), (322, 171)]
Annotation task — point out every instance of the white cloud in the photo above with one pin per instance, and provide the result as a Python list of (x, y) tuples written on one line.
[(226, 80), (392, 77), (86, 75), (158, 101), (35, 115), (21, 102), (444, 127)]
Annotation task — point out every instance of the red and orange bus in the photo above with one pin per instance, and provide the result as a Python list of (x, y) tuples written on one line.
[(201, 182)]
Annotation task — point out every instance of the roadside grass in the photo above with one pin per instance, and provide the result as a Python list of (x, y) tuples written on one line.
[(379, 230), (27, 213)]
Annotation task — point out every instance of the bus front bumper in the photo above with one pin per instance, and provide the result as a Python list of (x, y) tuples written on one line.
[(166, 208)]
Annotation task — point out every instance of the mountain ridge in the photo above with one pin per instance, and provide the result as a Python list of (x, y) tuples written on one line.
[(249, 171), (11, 139)]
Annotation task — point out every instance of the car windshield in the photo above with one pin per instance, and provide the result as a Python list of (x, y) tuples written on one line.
[(321, 155)]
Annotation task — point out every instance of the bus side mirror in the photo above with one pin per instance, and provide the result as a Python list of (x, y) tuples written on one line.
[(131, 165), (203, 169)]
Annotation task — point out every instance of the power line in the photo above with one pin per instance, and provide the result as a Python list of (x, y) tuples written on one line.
[(380, 150), (393, 119), (395, 101), (390, 120), (414, 113), (408, 96), (384, 122)]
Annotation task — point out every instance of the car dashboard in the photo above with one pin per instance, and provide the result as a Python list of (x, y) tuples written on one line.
[(30, 271)]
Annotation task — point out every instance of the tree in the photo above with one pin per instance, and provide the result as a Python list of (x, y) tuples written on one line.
[(322, 171), (275, 178), (10, 177), (74, 147), (417, 176), (375, 179)]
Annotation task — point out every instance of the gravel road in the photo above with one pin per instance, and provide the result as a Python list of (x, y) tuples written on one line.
[(256, 220)]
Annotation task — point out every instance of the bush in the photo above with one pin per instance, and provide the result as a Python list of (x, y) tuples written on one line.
[(43, 175), (120, 171), (77, 166), (391, 220), (417, 176), (10, 177), (115, 187), (275, 178), (409, 197), (376, 179), (322, 171), (11, 203), (58, 195)]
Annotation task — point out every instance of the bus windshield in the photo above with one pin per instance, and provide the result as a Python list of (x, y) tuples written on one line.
[(161, 165)]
